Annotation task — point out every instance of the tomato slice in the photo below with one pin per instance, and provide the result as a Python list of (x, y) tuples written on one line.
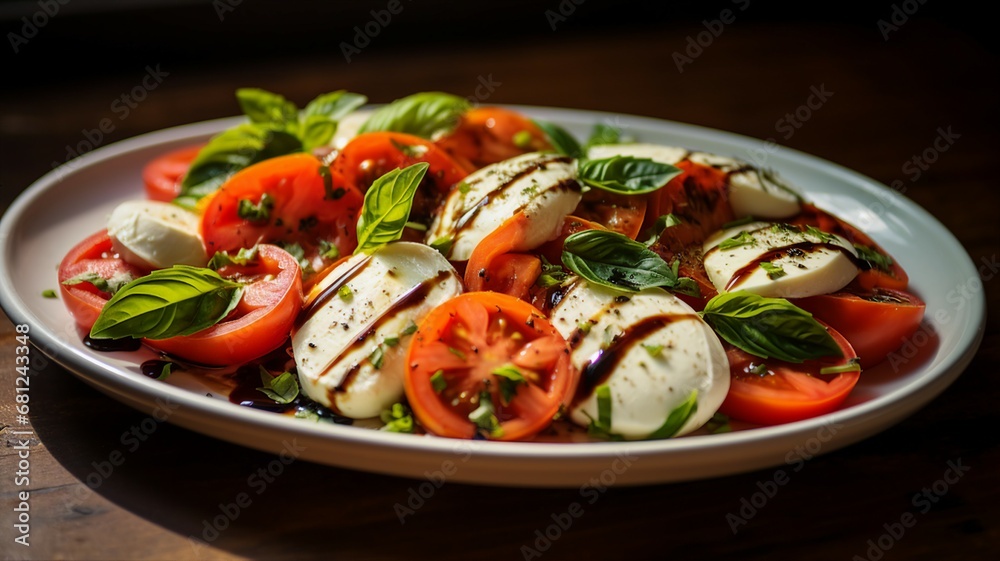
[(487, 135), (698, 196), (163, 175), (454, 356), (618, 213), (261, 322), (371, 155), (875, 322), (493, 265), (305, 205), (786, 392), (893, 278), (93, 255)]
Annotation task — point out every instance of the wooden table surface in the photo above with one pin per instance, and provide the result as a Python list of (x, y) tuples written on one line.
[(889, 100)]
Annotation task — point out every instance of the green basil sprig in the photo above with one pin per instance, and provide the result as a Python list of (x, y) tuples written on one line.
[(626, 175), (603, 133), (423, 114), (561, 140), (276, 128), (769, 327), (181, 300), (616, 261), (387, 207), (282, 388)]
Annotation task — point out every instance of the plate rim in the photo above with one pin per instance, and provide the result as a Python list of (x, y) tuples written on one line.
[(119, 386)]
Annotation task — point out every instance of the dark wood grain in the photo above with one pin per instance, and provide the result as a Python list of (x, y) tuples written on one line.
[(889, 100)]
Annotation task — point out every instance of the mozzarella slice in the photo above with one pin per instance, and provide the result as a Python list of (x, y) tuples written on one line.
[(810, 262), (155, 235), (655, 351), (752, 191), (350, 348), (541, 185), (348, 127)]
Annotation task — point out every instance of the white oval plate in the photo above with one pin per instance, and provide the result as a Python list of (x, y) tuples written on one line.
[(64, 206)]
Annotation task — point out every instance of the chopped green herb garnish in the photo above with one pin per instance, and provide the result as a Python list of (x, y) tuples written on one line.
[(410, 329), (244, 256), (874, 259), (49, 293), (773, 271), (552, 274), (390, 341), (601, 426), (398, 418), (853, 365), (328, 251), (438, 383), (410, 150), (345, 293), (741, 239), (653, 350), (282, 388), (718, 424), (522, 139), (443, 244), (456, 352), (509, 378), (377, 357), (256, 212), (165, 371), (485, 417), (759, 369), (584, 327), (463, 187), (823, 236)]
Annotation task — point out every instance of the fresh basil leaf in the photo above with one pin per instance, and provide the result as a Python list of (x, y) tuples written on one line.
[(334, 105), (320, 118), (256, 212), (677, 417), (181, 300), (268, 108), (398, 418), (769, 327), (665, 221), (387, 207), (110, 286), (560, 139), (229, 152), (422, 114), (283, 388), (603, 133), (626, 175), (613, 260)]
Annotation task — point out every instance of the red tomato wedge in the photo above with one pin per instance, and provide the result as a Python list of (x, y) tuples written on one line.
[(786, 392), (487, 135), (163, 175), (487, 363), (618, 213), (494, 265), (261, 322), (92, 255), (289, 199), (875, 323), (698, 196)]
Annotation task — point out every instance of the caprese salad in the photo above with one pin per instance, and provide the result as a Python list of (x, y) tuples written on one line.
[(464, 272)]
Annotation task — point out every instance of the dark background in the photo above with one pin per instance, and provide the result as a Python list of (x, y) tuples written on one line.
[(938, 70)]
